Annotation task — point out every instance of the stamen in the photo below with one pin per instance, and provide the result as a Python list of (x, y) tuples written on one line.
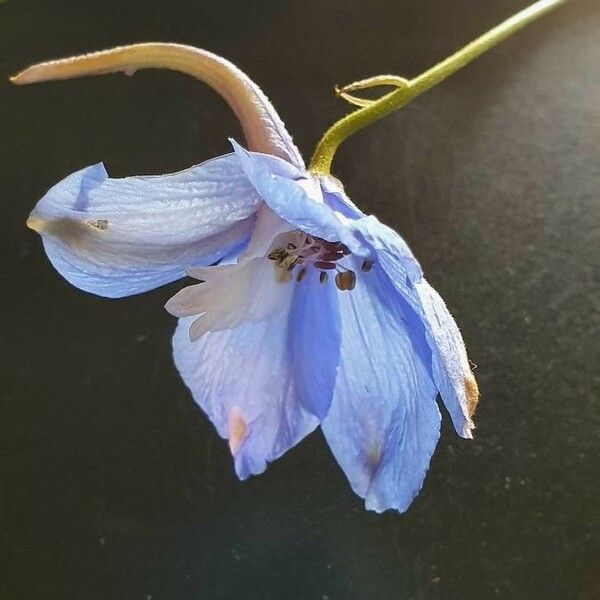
[(345, 280), (332, 256), (283, 258), (366, 266), (303, 251), (277, 254)]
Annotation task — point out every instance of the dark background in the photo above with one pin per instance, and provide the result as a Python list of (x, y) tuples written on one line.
[(113, 483)]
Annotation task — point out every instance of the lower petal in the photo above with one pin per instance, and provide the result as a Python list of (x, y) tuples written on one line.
[(315, 330), (262, 357), (243, 379), (383, 424), (428, 314)]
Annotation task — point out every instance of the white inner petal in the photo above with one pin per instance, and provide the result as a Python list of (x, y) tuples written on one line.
[(232, 295)]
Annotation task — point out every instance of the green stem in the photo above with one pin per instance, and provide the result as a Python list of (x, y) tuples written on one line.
[(345, 127)]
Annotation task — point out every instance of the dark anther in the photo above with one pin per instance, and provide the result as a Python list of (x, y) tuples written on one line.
[(301, 274), (320, 264), (345, 280), (323, 277), (344, 249), (332, 256), (366, 266), (277, 254)]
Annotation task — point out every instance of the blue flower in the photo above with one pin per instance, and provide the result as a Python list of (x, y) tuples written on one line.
[(315, 315)]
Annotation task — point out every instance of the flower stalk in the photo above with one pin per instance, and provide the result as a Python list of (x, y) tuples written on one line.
[(375, 110), (263, 129)]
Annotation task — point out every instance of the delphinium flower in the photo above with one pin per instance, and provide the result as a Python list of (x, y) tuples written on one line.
[(307, 312)]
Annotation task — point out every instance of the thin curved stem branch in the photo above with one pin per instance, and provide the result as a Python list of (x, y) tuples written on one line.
[(345, 127)]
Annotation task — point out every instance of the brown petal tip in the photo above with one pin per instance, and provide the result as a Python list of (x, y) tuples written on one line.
[(472, 391)]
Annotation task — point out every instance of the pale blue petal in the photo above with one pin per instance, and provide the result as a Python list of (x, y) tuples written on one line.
[(336, 198), (326, 212), (380, 237), (383, 424), (450, 367), (315, 342), (117, 237), (264, 361), (243, 379), (297, 199)]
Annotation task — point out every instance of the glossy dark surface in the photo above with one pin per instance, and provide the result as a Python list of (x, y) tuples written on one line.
[(113, 483)]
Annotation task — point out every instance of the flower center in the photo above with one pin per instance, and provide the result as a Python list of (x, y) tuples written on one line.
[(301, 251)]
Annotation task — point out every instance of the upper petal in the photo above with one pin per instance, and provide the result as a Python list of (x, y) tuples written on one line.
[(381, 238), (117, 237), (297, 198), (383, 424), (242, 378), (240, 361), (320, 207)]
